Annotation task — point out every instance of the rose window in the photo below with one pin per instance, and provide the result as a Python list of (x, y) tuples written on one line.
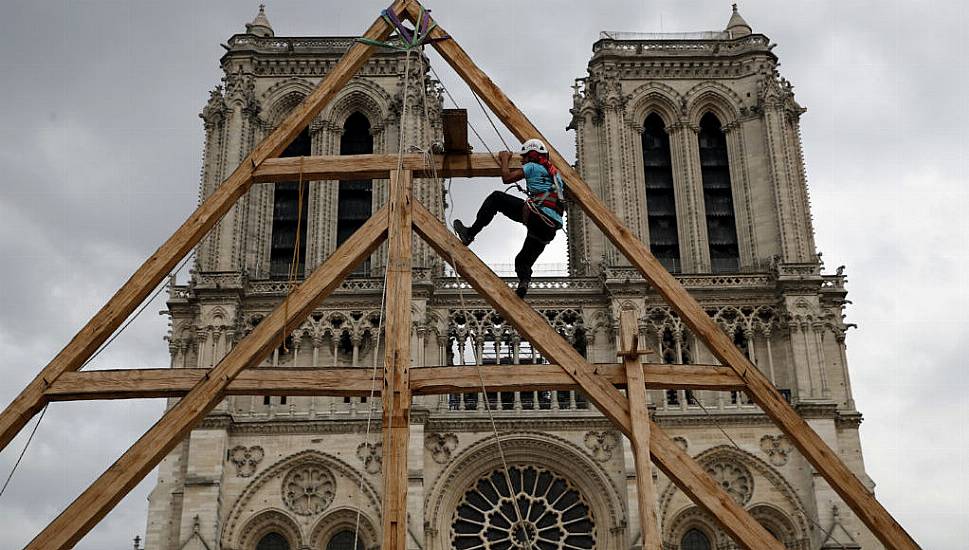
[(554, 515), (308, 489), (734, 479)]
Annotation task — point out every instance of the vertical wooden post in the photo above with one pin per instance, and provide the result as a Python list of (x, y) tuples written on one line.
[(636, 391), (396, 390)]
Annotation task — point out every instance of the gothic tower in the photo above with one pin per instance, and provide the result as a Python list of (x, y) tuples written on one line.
[(692, 139)]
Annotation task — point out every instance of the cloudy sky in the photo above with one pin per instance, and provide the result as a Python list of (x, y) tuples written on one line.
[(100, 149)]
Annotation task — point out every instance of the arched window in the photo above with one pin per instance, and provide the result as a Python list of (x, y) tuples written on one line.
[(355, 200), (717, 196), (664, 241), (273, 541), (344, 540), (695, 539), (290, 215)]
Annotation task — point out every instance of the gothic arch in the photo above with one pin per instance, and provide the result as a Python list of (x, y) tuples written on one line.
[(283, 97), (349, 519), (655, 97), (762, 472), (693, 518), (234, 529), (363, 96), (265, 522), (777, 522), (712, 97), (526, 448)]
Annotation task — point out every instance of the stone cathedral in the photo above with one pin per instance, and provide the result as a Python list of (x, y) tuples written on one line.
[(693, 139)]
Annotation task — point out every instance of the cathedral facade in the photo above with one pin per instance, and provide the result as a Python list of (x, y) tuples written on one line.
[(692, 139)]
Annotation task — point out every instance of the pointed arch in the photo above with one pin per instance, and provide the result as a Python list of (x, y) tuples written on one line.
[(664, 240), (261, 486), (712, 97), (265, 524), (345, 519), (655, 97), (551, 452)]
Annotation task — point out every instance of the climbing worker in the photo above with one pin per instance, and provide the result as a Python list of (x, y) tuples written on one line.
[(541, 212)]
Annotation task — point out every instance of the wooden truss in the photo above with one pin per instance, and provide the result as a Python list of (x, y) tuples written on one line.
[(201, 389)]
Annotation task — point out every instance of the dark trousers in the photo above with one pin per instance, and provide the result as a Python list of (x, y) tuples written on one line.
[(539, 232)]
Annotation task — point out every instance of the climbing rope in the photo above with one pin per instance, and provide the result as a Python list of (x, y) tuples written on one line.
[(429, 160), (294, 262), (383, 296)]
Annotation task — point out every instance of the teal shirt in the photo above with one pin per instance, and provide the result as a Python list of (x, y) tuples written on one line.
[(538, 181)]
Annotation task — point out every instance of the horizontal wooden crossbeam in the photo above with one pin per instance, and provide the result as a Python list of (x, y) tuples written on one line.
[(377, 167), (356, 382)]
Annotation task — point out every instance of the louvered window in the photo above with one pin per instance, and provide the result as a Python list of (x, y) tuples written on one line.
[(290, 218), (718, 197), (664, 241), (355, 202)]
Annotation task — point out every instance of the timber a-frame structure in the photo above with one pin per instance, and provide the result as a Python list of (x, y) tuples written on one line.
[(201, 390)]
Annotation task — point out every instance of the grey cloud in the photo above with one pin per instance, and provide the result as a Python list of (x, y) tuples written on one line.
[(100, 154)]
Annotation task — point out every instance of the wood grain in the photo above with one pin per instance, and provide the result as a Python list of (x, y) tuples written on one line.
[(811, 446), (683, 470), (68, 528), (639, 416)]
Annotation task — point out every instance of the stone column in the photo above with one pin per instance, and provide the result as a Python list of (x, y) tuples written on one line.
[(688, 193), (203, 480)]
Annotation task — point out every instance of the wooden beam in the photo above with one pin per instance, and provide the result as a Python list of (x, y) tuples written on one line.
[(814, 449), (348, 382), (74, 522), (336, 167), (682, 469), (639, 415), (161, 263), (396, 387)]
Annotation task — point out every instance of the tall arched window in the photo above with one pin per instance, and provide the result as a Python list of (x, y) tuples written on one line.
[(355, 200), (290, 217), (344, 540), (717, 196), (273, 541), (694, 539), (664, 241)]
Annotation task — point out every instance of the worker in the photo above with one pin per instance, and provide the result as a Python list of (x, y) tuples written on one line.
[(541, 212)]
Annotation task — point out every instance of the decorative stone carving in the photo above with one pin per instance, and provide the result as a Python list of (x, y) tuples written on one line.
[(601, 444), (681, 442), (777, 447), (554, 515), (246, 459), (309, 489), (441, 446), (734, 478), (371, 454)]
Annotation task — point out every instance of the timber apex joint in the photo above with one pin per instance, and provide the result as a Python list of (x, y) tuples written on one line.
[(395, 223)]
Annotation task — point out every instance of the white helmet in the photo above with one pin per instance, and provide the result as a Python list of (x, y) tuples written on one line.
[(534, 145)]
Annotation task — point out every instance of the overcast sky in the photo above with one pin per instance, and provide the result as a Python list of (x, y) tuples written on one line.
[(100, 153)]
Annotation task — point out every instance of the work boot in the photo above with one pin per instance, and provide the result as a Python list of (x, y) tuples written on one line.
[(463, 232), (522, 289)]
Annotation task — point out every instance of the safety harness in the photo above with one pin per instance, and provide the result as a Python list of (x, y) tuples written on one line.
[(553, 197)]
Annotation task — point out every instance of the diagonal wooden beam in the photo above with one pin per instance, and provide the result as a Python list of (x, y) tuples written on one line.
[(683, 470), (156, 267), (377, 166), (812, 447), (396, 387), (350, 382), (639, 417), (74, 522)]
